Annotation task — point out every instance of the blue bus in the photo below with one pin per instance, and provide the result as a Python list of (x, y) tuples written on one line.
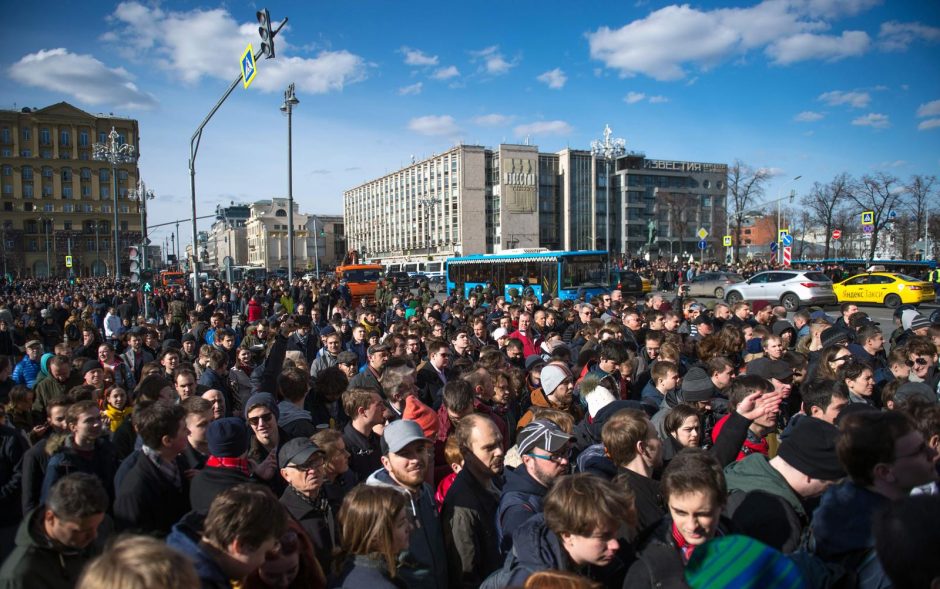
[(540, 272)]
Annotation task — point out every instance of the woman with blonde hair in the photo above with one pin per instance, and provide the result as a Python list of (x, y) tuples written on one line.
[(139, 562), (376, 527)]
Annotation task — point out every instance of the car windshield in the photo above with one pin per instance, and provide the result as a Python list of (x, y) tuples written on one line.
[(734, 277)]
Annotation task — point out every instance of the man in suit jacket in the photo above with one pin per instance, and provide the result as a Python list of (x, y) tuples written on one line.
[(434, 374), (136, 356)]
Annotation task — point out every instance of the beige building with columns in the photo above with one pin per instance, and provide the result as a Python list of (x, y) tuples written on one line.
[(266, 230)]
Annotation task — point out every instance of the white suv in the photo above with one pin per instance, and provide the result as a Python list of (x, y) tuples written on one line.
[(792, 288)]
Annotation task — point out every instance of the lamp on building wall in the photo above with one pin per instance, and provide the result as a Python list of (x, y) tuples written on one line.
[(115, 153), (607, 149), (290, 101)]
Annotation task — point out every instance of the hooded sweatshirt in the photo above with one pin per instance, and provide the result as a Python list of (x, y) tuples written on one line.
[(425, 555), (295, 421), (521, 499)]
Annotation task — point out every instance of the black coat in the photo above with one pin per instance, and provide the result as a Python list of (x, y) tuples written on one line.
[(430, 385), (316, 518), (148, 502), (33, 470), (209, 482), (13, 446), (470, 537), (649, 502)]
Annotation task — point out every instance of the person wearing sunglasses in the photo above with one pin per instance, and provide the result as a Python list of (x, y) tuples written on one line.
[(262, 414), (303, 467), (923, 355)]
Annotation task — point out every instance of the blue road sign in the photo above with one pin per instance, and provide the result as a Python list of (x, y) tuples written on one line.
[(703, 245), (248, 66), (773, 246), (787, 240), (892, 215)]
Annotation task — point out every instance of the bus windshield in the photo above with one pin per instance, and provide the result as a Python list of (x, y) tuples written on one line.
[(584, 272)]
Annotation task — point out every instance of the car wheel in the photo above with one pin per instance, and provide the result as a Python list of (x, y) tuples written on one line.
[(892, 301), (790, 302), (734, 298), (719, 293)]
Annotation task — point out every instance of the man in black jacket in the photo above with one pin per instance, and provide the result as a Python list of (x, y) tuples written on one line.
[(155, 492), (302, 465)]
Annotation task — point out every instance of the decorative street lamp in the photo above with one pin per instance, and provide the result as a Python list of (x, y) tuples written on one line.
[(142, 195), (115, 153), (607, 150), (290, 101)]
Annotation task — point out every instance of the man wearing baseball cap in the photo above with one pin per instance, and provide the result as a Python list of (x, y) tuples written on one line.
[(302, 465), (545, 450), (404, 467), (27, 369), (768, 498)]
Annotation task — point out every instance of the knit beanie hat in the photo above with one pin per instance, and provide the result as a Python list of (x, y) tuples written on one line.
[(552, 376), (265, 399), (919, 322), (907, 317), (596, 396), (227, 437), (811, 449), (423, 415), (697, 385), (740, 562)]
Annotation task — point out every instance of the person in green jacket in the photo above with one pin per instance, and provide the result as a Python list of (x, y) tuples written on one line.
[(57, 539)]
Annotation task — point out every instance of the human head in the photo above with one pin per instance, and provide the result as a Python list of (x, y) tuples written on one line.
[(406, 453), (162, 426), (375, 520), (684, 423), (139, 562), (546, 450), (74, 509), (84, 421), (217, 399), (480, 442), (906, 533), (824, 399), (336, 455), (695, 492), (303, 466), (586, 512), (629, 434), (199, 415)]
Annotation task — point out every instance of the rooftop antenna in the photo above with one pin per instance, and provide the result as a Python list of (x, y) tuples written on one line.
[(526, 139)]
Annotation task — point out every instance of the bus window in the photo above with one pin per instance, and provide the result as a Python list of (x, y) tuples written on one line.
[(588, 271)]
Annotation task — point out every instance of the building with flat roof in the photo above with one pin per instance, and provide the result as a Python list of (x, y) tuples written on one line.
[(267, 232), (228, 236), (56, 198), (473, 200)]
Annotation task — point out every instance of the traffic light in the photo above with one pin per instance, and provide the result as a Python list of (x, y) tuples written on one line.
[(146, 281), (133, 256), (267, 35)]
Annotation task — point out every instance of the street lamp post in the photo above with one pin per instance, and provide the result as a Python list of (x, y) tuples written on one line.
[(97, 250), (290, 101), (607, 149), (778, 201), (429, 205), (115, 153), (45, 229), (142, 195)]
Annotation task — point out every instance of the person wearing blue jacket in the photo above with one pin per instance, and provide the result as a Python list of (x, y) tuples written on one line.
[(27, 370)]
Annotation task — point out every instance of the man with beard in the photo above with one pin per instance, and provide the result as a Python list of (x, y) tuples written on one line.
[(470, 505), (405, 466), (545, 449)]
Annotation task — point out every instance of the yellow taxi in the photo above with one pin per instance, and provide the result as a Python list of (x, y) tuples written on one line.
[(888, 288), (647, 285)]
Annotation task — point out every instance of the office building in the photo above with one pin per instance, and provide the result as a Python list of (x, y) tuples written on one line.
[(228, 236), (267, 235)]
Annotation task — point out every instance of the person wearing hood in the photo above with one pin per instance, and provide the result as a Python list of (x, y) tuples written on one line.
[(885, 458), (577, 532), (768, 498), (697, 390), (56, 540), (545, 450), (405, 464), (556, 392), (229, 543), (294, 386)]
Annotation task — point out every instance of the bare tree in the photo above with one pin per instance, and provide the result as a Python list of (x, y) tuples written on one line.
[(824, 200), (680, 216), (879, 194), (921, 196), (745, 186)]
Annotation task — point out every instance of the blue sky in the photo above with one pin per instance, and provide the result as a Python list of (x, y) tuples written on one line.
[(801, 87)]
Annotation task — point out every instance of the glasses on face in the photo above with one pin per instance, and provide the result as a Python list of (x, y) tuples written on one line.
[(316, 464), (557, 457), (256, 420)]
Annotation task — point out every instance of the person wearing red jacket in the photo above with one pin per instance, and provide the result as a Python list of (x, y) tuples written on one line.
[(530, 343)]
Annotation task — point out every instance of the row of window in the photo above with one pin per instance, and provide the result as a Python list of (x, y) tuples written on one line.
[(26, 173), (65, 208), (65, 136), (104, 192)]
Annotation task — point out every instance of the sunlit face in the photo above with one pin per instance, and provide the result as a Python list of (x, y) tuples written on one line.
[(922, 364), (688, 433), (57, 418), (185, 386), (485, 454), (402, 528), (170, 361), (409, 465), (198, 425), (94, 377), (564, 393), (244, 356), (215, 397), (671, 323), (774, 349), (864, 385), (695, 515), (117, 398), (263, 423), (339, 463), (669, 382), (597, 549), (307, 478), (88, 426)]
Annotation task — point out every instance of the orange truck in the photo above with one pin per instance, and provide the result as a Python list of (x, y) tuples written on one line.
[(361, 279)]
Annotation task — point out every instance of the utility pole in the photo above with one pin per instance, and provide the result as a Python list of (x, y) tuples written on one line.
[(290, 101)]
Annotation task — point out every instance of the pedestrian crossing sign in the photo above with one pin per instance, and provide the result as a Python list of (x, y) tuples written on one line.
[(868, 218), (726, 240), (68, 261), (248, 66)]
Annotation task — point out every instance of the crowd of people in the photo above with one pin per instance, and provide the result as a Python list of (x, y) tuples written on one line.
[(278, 434)]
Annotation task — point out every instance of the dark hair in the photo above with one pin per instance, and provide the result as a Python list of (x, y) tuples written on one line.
[(158, 420), (907, 533), (745, 385), (612, 350), (581, 503), (195, 405), (820, 394), (77, 496), (694, 470), (293, 384), (867, 439), (458, 395), (249, 513), (678, 415), (622, 432), (150, 386)]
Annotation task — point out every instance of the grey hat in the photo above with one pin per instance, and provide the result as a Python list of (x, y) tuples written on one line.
[(697, 385), (919, 322), (552, 375), (544, 434), (400, 433), (833, 336), (34, 343), (297, 451)]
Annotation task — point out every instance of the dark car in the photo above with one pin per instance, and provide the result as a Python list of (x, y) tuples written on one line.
[(628, 282), (399, 279)]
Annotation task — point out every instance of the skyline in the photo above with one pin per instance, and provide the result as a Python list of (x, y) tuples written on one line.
[(807, 88)]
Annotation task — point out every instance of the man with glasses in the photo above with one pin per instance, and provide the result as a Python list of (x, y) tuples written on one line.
[(922, 355), (303, 466), (885, 457), (545, 450), (262, 413), (585, 314)]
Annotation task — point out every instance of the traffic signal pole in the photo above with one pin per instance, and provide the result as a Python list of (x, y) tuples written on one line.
[(267, 50)]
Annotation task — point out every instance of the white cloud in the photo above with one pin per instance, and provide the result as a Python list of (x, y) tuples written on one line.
[(434, 125), (83, 77), (894, 164), (898, 36), (874, 120), (200, 43), (418, 58), (855, 99), (555, 79), (807, 46), (929, 109), (411, 90), (543, 128), (658, 45), (772, 171), (808, 116), (493, 61), (493, 120), (928, 124), (446, 73), (634, 97), (659, 99)]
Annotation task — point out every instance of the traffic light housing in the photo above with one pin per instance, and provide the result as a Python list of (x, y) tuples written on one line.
[(146, 281), (267, 35), (133, 256)]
